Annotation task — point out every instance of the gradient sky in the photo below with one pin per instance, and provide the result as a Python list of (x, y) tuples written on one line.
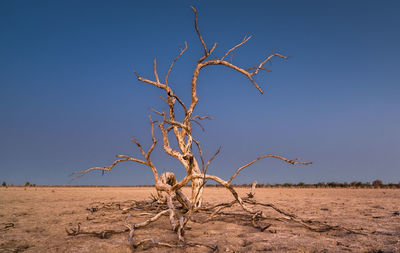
[(69, 101)]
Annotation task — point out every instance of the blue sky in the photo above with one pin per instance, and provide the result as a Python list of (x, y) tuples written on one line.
[(69, 101)]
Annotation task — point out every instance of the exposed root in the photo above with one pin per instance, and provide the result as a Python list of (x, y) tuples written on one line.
[(309, 224), (179, 221)]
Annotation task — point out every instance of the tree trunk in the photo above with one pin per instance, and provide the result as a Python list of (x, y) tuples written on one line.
[(197, 186)]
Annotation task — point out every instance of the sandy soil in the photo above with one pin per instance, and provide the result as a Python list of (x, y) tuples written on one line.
[(34, 220)]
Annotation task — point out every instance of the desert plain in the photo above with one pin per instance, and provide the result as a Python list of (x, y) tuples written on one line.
[(35, 219)]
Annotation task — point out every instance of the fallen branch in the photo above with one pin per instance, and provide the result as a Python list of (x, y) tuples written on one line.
[(154, 242), (74, 231)]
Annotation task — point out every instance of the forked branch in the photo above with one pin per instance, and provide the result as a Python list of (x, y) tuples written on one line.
[(198, 31), (266, 60), (206, 52)]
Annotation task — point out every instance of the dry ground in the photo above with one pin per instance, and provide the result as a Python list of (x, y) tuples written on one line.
[(34, 220)]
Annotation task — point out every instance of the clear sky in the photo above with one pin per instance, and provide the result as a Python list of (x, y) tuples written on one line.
[(69, 101)]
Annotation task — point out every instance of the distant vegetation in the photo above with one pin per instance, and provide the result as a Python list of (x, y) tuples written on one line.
[(355, 184), (29, 184)]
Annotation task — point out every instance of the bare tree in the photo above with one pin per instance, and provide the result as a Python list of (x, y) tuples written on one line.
[(166, 184)]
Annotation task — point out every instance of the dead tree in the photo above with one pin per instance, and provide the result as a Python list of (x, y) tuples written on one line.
[(166, 184)]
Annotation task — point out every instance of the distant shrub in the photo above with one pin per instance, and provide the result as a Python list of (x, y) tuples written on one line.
[(377, 183), (4, 184), (287, 185), (356, 184), (27, 184)]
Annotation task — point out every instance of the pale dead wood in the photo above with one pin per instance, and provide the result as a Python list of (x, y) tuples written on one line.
[(164, 99), (201, 154), (200, 125), (176, 204), (202, 117), (154, 242), (125, 158), (254, 222), (245, 39), (173, 62), (74, 231), (155, 71), (267, 60), (204, 171), (253, 190), (211, 159), (198, 31), (312, 225), (132, 227), (257, 68), (219, 208), (293, 162), (194, 119), (171, 209)]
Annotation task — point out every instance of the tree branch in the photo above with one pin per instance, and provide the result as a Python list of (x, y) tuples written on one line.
[(198, 31), (267, 60), (74, 231), (173, 62), (245, 72), (199, 124), (201, 154), (145, 80), (153, 138), (125, 158), (155, 71), (202, 117), (211, 159), (167, 147), (245, 39), (266, 156), (257, 68)]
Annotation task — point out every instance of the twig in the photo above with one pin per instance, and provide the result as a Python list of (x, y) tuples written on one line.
[(198, 31), (173, 62), (211, 159), (245, 39)]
